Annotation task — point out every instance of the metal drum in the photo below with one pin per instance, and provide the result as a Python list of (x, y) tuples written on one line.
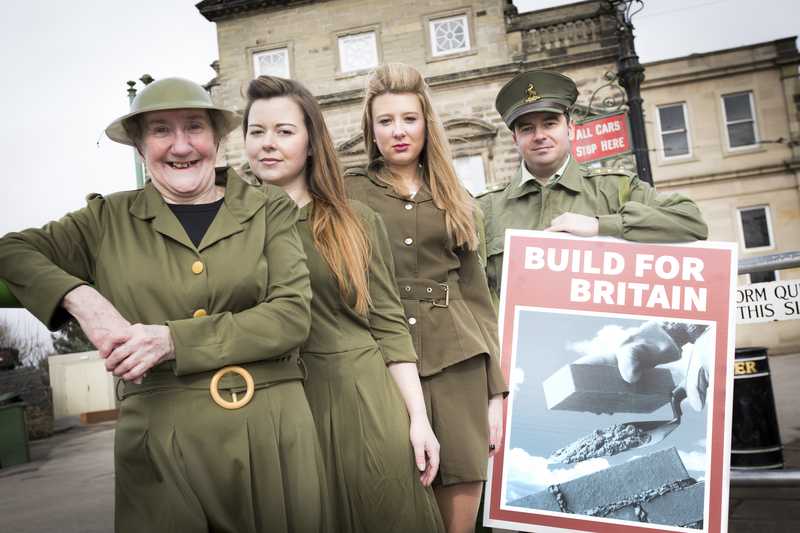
[(755, 439)]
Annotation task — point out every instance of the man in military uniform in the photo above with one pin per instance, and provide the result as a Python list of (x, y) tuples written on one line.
[(553, 192)]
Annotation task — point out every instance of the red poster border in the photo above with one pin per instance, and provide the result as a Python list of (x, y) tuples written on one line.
[(719, 441)]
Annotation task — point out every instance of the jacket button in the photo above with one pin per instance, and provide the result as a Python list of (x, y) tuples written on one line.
[(408, 241), (409, 207), (197, 267), (412, 320), (199, 313)]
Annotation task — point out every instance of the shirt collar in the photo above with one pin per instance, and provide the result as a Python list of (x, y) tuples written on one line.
[(528, 176)]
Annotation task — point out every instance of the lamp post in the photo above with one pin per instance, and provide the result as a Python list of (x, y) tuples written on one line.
[(138, 164), (631, 76)]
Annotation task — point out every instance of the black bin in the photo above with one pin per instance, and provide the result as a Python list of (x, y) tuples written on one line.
[(755, 439)]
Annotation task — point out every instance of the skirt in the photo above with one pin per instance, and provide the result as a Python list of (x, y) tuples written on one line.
[(363, 428), (185, 464), (457, 399)]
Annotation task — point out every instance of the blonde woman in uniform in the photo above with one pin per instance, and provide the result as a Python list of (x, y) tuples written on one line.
[(411, 183), (362, 382)]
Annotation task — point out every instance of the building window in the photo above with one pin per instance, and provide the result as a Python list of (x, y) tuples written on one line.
[(674, 133), (740, 123), (272, 63), (756, 227), (762, 277), (358, 52), (471, 172), (449, 35)]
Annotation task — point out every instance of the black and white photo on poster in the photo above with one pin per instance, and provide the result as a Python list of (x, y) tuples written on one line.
[(583, 439)]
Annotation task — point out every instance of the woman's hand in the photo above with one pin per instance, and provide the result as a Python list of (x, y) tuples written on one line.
[(138, 349), (98, 318), (495, 423), (426, 448)]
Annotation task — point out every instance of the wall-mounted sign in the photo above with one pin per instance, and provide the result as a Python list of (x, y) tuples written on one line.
[(601, 137)]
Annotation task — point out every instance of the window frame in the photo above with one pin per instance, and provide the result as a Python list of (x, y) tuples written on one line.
[(471, 37), (254, 51), (352, 32), (480, 155), (770, 230), (757, 138), (662, 132)]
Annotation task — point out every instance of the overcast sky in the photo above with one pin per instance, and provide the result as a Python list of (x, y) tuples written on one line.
[(66, 63)]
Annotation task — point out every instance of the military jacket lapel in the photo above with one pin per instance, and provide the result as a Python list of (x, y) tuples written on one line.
[(237, 209), (149, 205)]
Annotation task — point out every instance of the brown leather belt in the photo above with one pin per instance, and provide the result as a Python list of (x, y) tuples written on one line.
[(428, 290)]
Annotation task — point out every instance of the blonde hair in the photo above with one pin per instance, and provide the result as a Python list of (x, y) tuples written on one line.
[(436, 159), (339, 235)]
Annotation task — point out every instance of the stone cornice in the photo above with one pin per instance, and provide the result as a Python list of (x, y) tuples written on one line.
[(791, 165), (215, 10), (554, 16), (782, 57)]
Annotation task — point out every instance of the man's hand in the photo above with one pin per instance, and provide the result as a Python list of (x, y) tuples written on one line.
[(651, 346), (576, 224)]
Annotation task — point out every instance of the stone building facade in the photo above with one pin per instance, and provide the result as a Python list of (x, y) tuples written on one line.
[(723, 127), (482, 44)]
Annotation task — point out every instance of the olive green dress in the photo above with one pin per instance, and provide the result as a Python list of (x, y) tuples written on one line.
[(452, 320), (241, 297), (361, 418)]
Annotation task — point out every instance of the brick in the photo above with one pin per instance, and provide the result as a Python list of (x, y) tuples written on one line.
[(625, 488), (600, 389)]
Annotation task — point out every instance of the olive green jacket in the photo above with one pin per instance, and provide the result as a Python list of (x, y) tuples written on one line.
[(335, 325), (444, 333), (625, 207), (253, 285)]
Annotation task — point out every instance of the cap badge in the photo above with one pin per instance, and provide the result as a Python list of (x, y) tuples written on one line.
[(531, 95)]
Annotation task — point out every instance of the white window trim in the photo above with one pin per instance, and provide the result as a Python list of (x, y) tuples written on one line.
[(472, 37), (756, 136), (480, 156), (340, 35), (768, 216), (661, 132), (252, 52), (432, 35)]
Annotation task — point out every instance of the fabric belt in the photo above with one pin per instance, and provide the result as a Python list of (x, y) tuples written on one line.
[(263, 372), (428, 290)]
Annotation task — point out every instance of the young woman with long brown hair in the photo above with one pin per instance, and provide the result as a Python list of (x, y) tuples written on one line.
[(359, 354), (411, 183)]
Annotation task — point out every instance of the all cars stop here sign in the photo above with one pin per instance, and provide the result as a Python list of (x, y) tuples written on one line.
[(601, 137)]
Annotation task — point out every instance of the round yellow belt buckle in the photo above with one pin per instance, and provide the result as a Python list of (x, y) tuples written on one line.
[(236, 403)]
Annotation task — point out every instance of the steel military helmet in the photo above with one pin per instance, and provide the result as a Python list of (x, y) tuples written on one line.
[(171, 93)]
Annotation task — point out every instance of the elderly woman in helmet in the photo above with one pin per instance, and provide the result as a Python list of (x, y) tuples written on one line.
[(195, 291)]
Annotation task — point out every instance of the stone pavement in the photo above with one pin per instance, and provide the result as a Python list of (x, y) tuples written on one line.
[(68, 487)]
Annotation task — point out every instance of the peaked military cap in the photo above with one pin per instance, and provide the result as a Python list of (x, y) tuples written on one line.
[(535, 90)]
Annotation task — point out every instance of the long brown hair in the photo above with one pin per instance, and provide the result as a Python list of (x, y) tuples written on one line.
[(436, 159), (339, 235)]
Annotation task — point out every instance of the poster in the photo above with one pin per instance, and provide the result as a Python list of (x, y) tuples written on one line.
[(619, 358)]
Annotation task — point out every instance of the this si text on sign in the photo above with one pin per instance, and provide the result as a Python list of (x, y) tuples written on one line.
[(766, 302)]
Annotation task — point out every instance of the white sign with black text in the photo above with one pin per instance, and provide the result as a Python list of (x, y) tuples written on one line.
[(767, 302)]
